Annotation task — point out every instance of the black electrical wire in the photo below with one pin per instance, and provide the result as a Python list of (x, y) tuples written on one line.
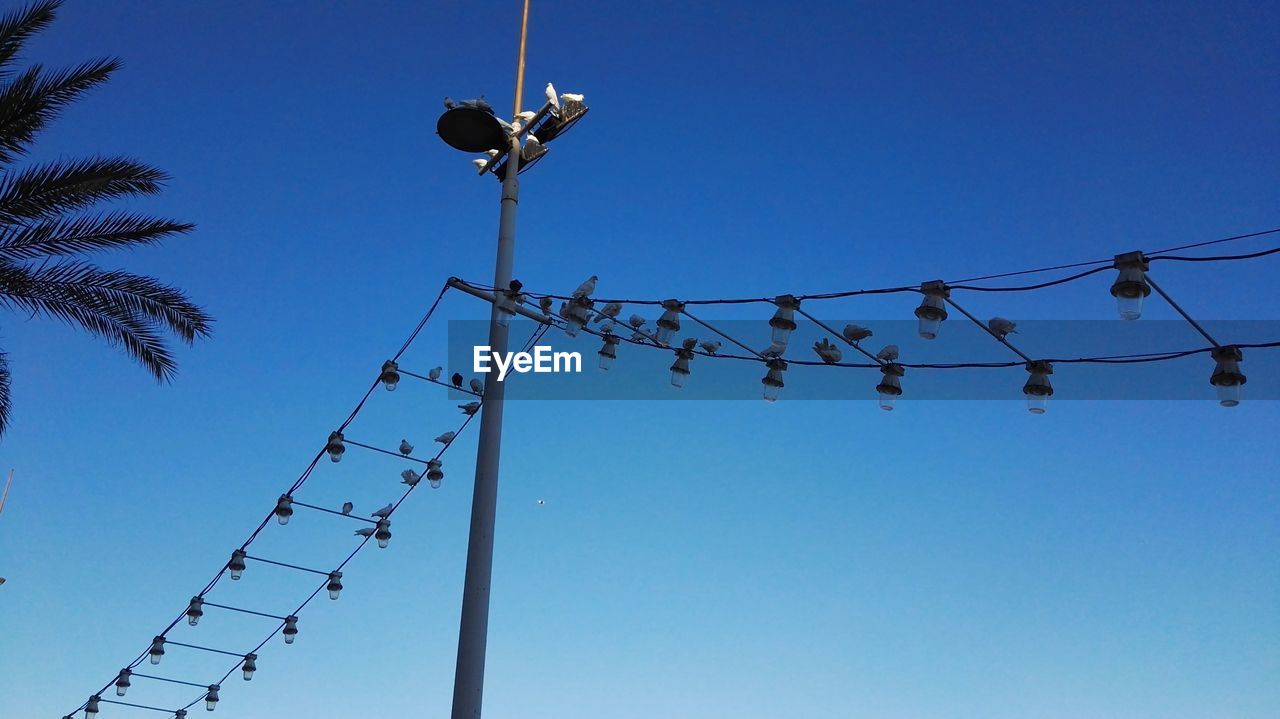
[(1218, 258)]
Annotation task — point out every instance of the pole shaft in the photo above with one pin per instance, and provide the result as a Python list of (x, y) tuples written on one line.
[(524, 35), (468, 680)]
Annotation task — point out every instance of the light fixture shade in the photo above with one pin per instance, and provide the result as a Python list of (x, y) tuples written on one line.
[(195, 610), (390, 376), (236, 565), (506, 301), (933, 308), (284, 509), (772, 381), (669, 322), (608, 352), (290, 630), (1038, 389), (122, 682), (783, 321), (1227, 378), (335, 584), (249, 666), (335, 447), (890, 387), (578, 315), (382, 532), (680, 368), (1131, 284), (180, 714), (156, 652), (435, 473), (91, 707), (211, 698)]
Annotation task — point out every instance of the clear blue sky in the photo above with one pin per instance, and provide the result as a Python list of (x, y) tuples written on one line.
[(693, 559)]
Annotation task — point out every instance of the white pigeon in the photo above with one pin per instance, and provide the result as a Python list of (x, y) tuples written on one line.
[(434, 374), (492, 153), (571, 97), (405, 448), (552, 97), (856, 333), (636, 321), (445, 438), (710, 346), (384, 512), (526, 116), (477, 386), (828, 352), (410, 477), (469, 408), (366, 532), (888, 354), (347, 507), (1000, 327), (587, 287), (480, 163), (775, 349), (610, 310)]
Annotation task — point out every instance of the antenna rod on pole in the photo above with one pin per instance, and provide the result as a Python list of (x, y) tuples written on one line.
[(5, 495), (524, 35)]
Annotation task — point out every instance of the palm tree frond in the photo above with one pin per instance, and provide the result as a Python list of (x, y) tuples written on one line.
[(18, 26), (92, 233), (56, 188), (33, 99), (5, 406)]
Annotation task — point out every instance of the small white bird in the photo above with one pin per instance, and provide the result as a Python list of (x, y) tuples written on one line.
[(888, 354), (366, 532), (446, 438), (477, 386), (1000, 327), (610, 310), (587, 287), (544, 303), (347, 507), (410, 477), (480, 163), (526, 116), (856, 333), (532, 149), (405, 448), (469, 408), (434, 374), (542, 501), (828, 352), (775, 349), (710, 346), (571, 97), (636, 321), (384, 512), (552, 97), (492, 153)]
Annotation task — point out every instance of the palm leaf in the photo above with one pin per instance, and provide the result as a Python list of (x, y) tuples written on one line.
[(85, 234), (18, 26), (56, 188), (5, 406), (32, 99)]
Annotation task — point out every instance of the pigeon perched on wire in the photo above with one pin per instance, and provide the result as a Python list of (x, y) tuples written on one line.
[(607, 327), (774, 350), (710, 346), (856, 333), (689, 343), (552, 97), (405, 448), (888, 354), (1000, 327), (410, 477), (384, 512), (636, 321), (347, 507), (544, 304), (587, 288), (477, 386), (828, 352), (366, 532), (434, 374), (469, 408), (446, 438), (610, 311), (456, 379)]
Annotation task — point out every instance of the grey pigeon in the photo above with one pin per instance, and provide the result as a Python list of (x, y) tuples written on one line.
[(1000, 327), (544, 303), (636, 321), (435, 373), (445, 438), (477, 386), (888, 354), (710, 346), (449, 104), (856, 333), (366, 532), (775, 349), (347, 507), (610, 311), (410, 477), (828, 352), (469, 408), (384, 512), (405, 448)]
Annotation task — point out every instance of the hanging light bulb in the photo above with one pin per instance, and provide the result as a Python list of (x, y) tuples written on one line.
[(608, 352), (890, 387), (195, 610), (236, 565), (506, 302), (1227, 377), (1038, 390), (290, 631), (91, 708), (335, 447), (335, 584), (156, 652), (250, 666), (680, 369), (1131, 285), (180, 714), (669, 324), (122, 682), (284, 509), (434, 473), (578, 315), (390, 376), (382, 532), (783, 321), (773, 379), (211, 699), (933, 308)]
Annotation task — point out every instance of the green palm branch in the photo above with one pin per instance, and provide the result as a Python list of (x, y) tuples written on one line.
[(48, 218)]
